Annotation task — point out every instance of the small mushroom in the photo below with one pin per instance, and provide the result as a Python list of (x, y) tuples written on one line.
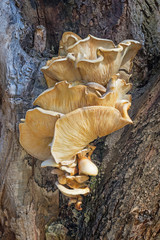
[(57, 172), (87, 167), (70, 170), (72, 193), (78, 205), (78, 178), (72, 201), (62, 179), (73, 184), (49, 163)]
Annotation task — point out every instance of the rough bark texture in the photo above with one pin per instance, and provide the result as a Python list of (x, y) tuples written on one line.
[(124, 203)]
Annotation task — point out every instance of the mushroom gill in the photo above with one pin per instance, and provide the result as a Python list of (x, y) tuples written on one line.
[(75, 130)]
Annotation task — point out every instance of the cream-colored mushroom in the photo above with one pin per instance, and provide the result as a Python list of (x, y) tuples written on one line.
[(62, 179), (58, 172), (71, 171), (85, 124), (91, 59), (87, 167), (49, 163), (58, 67), (65, 98), (73, 184), (72, 193), (78, 178), (36, 133)]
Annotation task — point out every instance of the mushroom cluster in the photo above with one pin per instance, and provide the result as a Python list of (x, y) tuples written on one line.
[(86, 99)]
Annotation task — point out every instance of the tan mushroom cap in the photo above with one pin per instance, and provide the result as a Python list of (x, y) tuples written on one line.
[(50, 80), (62, 69), (90, 60), (65, 98), (87, 167), (36, 133), (78, 178), (87, 48), (77, 129), (108, 62), (72, 193), (49, 163)]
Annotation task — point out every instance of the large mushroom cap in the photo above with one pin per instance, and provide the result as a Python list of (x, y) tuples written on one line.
[(36, 133), (77, 129), (65, 98), (90, 60)]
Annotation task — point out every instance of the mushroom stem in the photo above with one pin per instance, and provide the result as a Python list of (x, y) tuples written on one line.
[(72, 193)]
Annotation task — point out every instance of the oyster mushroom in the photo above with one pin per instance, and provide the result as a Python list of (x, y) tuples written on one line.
[(72, 193), (58, 172), (62, 179), (49, 163), (92, 60), (57, 67), (87, 167), (36, 133), (65, 98), (86, 124), (78, 178)]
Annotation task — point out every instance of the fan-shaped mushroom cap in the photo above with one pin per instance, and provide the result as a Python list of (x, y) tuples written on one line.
[(49, 163), (65, 98), (78, 178), (87, 167), (57, 171), (91, 59), (108, 62), (58, 67), (77, 129), (73, 184), (72, 193), (36, 133), (50, 80), (68, 39)]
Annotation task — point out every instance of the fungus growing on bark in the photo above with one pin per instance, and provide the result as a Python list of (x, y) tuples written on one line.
[(87, 99)]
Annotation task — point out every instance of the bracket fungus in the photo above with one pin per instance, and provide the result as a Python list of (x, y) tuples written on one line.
[(86, 99)]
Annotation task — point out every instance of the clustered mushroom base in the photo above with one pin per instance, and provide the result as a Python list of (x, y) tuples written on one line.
[(87, 98)]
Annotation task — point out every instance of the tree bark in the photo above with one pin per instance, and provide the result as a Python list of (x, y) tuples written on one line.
[(124, 201)]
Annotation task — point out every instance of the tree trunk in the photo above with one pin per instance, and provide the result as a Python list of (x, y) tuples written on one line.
[(124, 202)]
